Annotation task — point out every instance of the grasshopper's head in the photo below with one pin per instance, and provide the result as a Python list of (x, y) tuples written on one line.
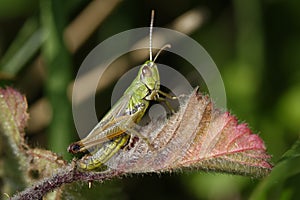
[(149, 76)]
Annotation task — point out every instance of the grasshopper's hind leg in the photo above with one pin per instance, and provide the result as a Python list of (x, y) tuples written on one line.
[(98, 158)]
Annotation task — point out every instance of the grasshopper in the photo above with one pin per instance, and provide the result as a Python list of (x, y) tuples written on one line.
[(115, 130)]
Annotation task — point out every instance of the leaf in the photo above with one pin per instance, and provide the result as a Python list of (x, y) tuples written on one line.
[(274, 185), (201, 137), (13, 116)]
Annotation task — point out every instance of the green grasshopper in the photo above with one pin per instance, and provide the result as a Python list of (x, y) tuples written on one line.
[(115, 130)]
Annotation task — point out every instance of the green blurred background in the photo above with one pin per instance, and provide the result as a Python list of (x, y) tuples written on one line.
[(255, 44)]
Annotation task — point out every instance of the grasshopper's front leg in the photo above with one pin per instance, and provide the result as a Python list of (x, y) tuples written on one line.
[(162, 99)]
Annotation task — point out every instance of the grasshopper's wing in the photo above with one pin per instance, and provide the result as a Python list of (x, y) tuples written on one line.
[(109, 126)]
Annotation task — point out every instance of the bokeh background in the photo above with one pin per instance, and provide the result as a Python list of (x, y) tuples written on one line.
[(255, 44)]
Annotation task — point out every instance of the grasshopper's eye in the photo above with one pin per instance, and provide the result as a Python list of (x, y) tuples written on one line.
[(146, 72)]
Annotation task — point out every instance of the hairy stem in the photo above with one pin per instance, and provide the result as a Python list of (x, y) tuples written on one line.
[(67, 175)]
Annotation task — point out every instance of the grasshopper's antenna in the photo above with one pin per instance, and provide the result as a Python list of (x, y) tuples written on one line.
[(150, 34), (163, 48)]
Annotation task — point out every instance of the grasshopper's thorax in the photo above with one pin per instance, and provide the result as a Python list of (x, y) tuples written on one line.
[(143, 89)]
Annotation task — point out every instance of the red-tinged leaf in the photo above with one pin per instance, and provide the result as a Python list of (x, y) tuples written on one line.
[(35, 164), (13, 115), (198, 136)]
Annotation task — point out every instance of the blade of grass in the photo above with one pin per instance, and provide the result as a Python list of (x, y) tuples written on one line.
[(58, 66), (26, 44)]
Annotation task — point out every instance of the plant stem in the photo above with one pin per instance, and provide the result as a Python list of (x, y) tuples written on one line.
[(67, 175)]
